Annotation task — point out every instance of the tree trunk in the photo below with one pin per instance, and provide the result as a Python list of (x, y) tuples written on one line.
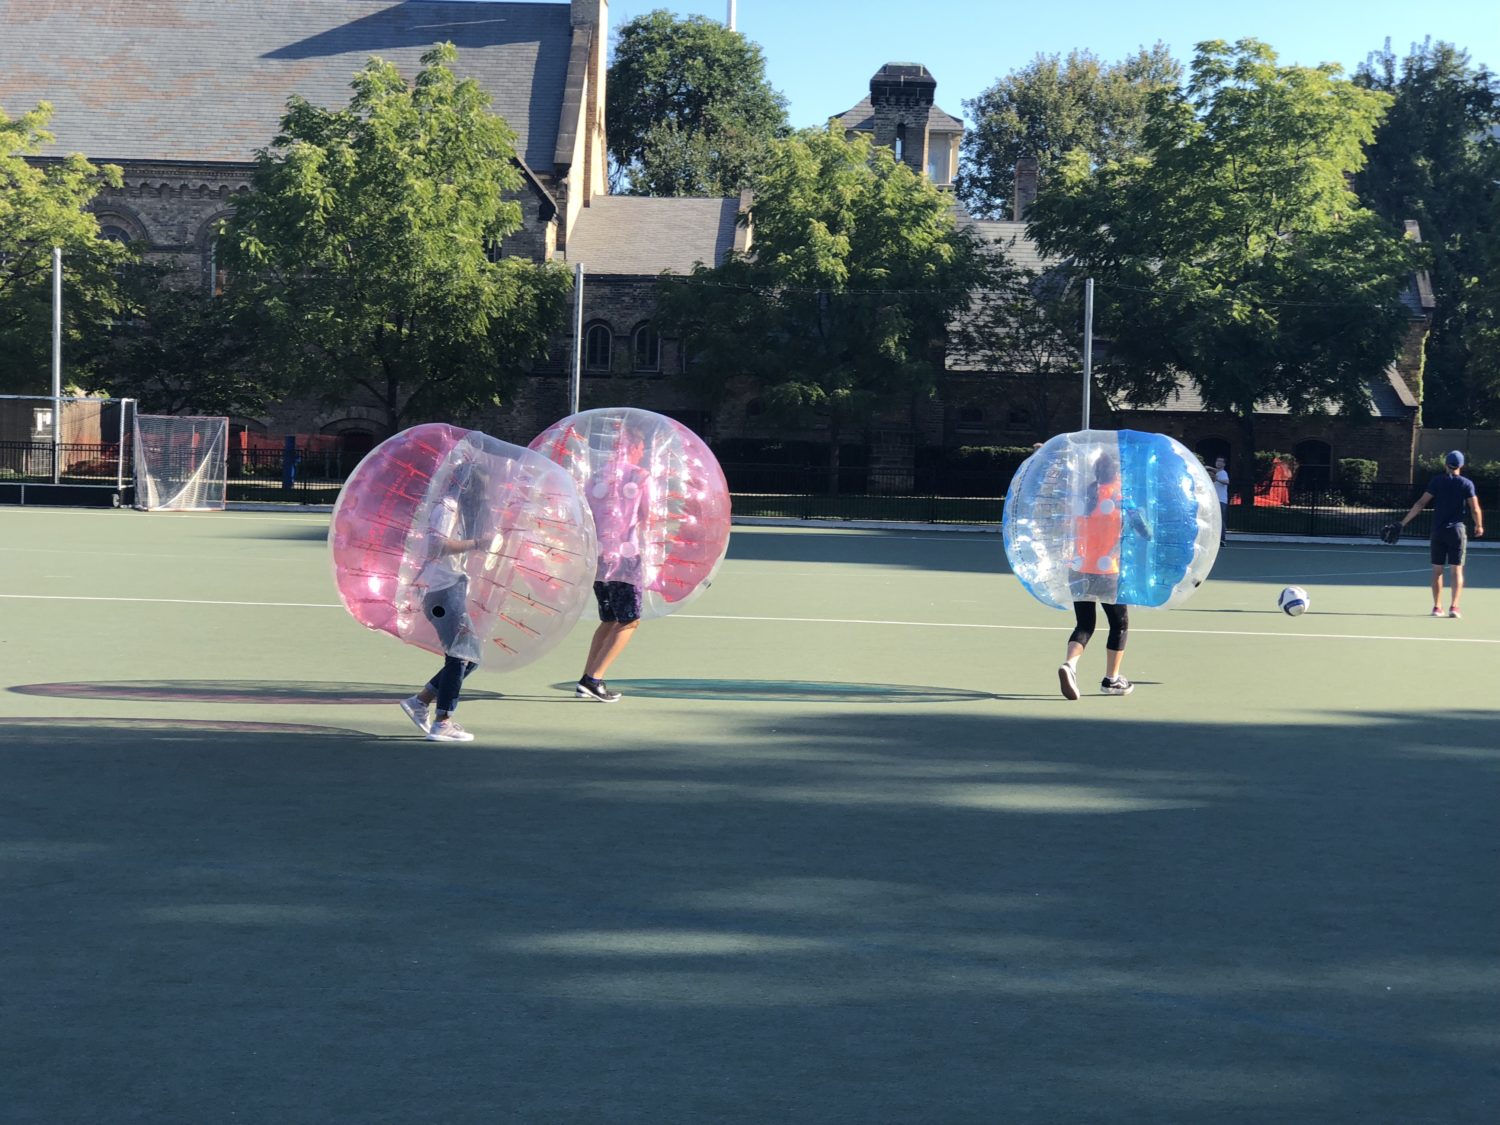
[(833, 456)]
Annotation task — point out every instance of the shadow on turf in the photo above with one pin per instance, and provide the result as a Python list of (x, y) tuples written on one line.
[(795, 691), (863, 916), (233, 691)]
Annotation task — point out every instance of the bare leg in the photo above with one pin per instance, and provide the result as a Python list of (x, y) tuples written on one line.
[(1075, 650), (1458, 586), (607, 646), (1113, 658), (1437, 586), (598, 644)]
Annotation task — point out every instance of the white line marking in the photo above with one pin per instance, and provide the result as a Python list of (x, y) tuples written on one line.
[(170, 601), (1133, 629), (815, 620)]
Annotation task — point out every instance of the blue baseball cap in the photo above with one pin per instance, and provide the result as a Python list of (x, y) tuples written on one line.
[(1455, 460)]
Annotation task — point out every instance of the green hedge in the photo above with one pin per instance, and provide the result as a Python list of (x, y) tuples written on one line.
[(1358, 470)]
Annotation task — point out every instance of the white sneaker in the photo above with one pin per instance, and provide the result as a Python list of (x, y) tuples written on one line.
[(416, 711), (446, 730), (1067, 679)]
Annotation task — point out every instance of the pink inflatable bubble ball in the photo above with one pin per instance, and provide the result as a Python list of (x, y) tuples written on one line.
[(459, 544), (659, 500)]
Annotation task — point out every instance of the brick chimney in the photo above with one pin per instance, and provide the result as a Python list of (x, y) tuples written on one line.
[(1026, 176)]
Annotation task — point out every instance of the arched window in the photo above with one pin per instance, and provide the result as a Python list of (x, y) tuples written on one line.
[(645, 346), (112, 232), (1210, 448), (598, 348), (218, 273)]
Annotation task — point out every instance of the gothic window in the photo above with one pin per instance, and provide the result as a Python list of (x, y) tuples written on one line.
[(113, 232), (218, 273), (646, 348), (598, 348)]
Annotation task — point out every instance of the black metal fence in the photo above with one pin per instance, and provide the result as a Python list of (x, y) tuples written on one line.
[(32, 462), (933, 493)]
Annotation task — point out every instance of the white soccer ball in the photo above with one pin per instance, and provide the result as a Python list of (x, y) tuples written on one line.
[(1293, 601)]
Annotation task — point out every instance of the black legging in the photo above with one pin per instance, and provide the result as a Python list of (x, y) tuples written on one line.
[(447, 683), (1118, 617)]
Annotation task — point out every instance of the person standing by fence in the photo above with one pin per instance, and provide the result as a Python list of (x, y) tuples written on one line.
[(1449, 494), (1221, 486)]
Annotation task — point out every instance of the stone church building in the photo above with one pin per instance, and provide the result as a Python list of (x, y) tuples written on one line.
[(181, 93)]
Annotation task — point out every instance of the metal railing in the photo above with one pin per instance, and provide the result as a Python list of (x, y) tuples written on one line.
[(930, 493)]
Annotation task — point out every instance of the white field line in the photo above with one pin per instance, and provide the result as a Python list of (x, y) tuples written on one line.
[(814, 621)]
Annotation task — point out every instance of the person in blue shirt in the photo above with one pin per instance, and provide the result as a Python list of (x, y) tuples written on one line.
[(1449, 494)]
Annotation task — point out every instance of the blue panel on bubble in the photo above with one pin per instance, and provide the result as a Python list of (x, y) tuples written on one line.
[(1168, 526)]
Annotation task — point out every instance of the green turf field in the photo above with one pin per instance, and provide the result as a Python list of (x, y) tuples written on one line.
[(841, 855)]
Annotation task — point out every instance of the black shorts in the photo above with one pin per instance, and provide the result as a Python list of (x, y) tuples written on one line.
[(618, 601), (1449, 545)]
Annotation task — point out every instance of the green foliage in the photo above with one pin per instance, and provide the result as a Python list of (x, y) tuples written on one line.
[(1265, 460), (842, 303), (358, 262), (42, 206), (1358, 470), (1484, 474), (1051, 107), (1230, 251), (689, 110), (1436, 160), (182, 352)]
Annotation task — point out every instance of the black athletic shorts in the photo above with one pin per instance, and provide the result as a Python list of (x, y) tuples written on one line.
[(1449, 545), (618, 601)]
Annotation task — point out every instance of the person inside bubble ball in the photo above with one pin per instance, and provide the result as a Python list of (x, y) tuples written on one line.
[(456, 526), (1093, 579), (618, 497)]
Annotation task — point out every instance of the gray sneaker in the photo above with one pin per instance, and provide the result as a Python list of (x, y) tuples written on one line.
[(1117, 686), (416, 711), (1067, 679), (446, 730)]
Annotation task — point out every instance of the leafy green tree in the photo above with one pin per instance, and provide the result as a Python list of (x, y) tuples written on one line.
[(1436, 160), (42, 205), (1049, 108), (361, 258), (689, 110), (840, 306), (181, 351), (1230, 250)]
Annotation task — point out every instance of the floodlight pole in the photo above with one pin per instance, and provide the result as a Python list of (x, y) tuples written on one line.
[(730, 21), (1088, 347), (576, 382), (56, 363)]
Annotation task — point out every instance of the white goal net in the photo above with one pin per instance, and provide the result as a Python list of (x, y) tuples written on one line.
[(181, 464)]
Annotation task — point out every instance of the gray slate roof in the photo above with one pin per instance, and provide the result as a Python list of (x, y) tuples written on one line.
[(641, 235), (1389, 398), (1010, 237), (861, 119), (208, 79)]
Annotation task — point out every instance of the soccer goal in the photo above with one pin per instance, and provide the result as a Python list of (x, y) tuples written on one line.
[(181, 463)]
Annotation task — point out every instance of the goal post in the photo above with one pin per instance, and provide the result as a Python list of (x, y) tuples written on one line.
[(181, 463)]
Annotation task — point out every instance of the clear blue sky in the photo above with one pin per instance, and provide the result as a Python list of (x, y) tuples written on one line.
[(821, 55)]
